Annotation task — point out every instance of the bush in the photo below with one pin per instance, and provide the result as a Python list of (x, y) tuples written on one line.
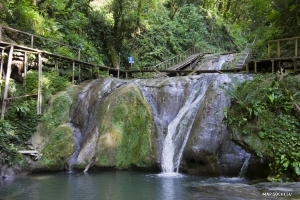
[(265, 108)]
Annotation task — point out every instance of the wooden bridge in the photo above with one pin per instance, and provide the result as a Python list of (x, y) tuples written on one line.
[(26, 44)]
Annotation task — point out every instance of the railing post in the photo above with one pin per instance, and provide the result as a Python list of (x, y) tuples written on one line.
[(255, 67), (8, 72), (79, 69), (73, 72), (25, 69), (273, 66), (269, 50), (78, 54), (91, 72), (296, 47), (56, 66), (31, 41), (1, 67), (278, 49), (295, 66), (0, 33)]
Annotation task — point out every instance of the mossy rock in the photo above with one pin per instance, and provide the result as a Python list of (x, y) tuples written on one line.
[(56, 113), (127, 130), (58, 149)]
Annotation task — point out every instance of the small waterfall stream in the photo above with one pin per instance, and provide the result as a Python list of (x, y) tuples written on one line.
[(245, 166), (179, 128)]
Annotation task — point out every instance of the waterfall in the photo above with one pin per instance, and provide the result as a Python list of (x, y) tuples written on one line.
[(175, 103), (179, 128), (245, 166)]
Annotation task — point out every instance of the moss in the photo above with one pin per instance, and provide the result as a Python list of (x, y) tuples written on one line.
[(59, 111), (126, 130), (58, 149), (263, 119)]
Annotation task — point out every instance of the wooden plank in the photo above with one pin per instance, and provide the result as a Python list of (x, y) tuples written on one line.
[(28, 95), (57, 56), (29, 152), (283, 39), (8, 72)]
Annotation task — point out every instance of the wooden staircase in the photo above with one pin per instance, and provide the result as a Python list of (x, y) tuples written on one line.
[(244, 55)]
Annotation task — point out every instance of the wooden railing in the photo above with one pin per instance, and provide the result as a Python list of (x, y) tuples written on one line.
[(284, 48), (174, 60), (37, 42)]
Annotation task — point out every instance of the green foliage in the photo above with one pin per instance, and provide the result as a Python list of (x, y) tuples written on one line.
[(8, 152), (58, 149), (51, 84), (263, 108), (22, 114), (55, 116)]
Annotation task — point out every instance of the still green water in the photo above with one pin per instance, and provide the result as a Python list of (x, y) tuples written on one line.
[(110, 185)]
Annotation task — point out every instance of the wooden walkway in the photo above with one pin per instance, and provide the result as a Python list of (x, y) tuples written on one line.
[(176, 66), (281, 53)]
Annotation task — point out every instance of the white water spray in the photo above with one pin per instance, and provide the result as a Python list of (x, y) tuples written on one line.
[(179, 128), (245, 166)]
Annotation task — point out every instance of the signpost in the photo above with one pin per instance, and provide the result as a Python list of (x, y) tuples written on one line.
[(130, 60)]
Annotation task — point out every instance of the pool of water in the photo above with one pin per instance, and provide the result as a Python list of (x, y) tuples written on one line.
[(111, 185)]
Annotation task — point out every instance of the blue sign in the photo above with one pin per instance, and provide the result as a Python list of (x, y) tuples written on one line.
[(130, 60)]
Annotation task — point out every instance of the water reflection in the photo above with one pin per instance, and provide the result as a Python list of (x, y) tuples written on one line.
[(107, 185)]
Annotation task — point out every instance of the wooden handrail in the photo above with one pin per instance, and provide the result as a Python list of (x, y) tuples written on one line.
[(185, 54), (284, 39), (37, 36), (279, 46)]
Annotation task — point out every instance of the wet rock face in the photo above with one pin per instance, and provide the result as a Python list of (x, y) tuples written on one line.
[(124, 124), (209, 149), (115, 125)]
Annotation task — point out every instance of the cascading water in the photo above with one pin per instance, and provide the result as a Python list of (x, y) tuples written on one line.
[(179, 128), (245, 166), (175, 103)]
